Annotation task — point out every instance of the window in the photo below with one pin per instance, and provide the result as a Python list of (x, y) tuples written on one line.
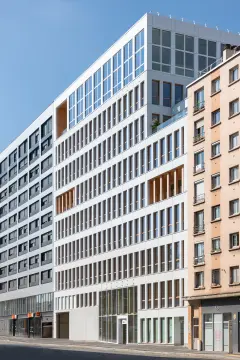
[(233, 140), (234, 107), (234, 173), (97, 88), (139, 53), (198, 161), (178, 93), (207, 54), (117, 72), (215, 181), (234, 207), (107, 80), (216, 149), (167, 94), (184, 55), (88, 96), (233, 74), (199, 279), (198, 130), (234, 240), (215, 85), (80, 103), (198, 222), (155, 92), (216, 277), (215, 212), (161, 50), (46, 129), (199, 253), (216, 245), (199, 100), (72, 112), (216, 117), (199, 192), (234, 275), (128, 58)]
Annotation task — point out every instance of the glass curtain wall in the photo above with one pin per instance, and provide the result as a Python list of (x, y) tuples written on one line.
[(113, 303)]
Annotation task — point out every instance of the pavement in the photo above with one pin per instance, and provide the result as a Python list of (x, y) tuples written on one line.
[(61, 349)]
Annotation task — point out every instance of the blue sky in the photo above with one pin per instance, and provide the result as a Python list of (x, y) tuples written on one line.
[(46, 44)]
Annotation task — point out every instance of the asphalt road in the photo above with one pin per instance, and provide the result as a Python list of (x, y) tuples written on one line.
[(13, 352)]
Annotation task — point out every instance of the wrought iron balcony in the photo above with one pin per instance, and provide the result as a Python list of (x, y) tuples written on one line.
[(199, 260), (198, 229), (198, 168), (199, 106), (199, 137), (198, 199)]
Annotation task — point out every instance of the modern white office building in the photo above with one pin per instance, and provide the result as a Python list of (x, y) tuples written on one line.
[(120, 205), (26, 237)]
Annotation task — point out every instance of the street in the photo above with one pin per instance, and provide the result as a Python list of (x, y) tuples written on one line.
[(10, 352)]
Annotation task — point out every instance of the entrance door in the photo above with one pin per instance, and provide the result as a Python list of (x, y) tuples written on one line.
[(124, 333), (12, 329), (195, 333), (31, 327)]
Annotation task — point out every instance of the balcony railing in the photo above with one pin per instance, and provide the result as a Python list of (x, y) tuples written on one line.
[(199, 137), (199, 106), (197, 260), (198, 168), (198, 229), (197, 199)]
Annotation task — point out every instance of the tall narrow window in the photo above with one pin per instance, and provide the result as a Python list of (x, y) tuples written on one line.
[(88, 96), (117, 72), (97, 88), (107, 80), (139, 53), (128, 56)]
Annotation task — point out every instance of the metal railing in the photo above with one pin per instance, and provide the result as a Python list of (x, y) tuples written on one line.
[(197, 229), (198, 198), (199, 106), (170, 121), (198, 168), (210, 67), (197, 260), (199, 137)]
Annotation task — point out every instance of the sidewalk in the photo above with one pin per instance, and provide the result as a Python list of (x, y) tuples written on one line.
[(130, 349)]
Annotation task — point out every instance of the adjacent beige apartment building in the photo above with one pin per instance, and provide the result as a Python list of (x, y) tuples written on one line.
[(214, 217)]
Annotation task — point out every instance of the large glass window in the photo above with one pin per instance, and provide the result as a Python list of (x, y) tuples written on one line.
[(117, 72), (88, 96), (139, 53), (207, 51), (167, 94), (127, 55), (184, 55), (107, 80), (161, 50), (97, 88), (72, 108), (178, 93), (80, 103)]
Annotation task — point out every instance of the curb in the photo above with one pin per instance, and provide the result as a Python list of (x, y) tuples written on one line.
[(120, 351)]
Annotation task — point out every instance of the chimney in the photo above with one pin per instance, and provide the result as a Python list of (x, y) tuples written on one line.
[(229, 50)]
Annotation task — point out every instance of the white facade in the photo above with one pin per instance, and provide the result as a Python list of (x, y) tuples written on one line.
[(107, 158), (26, 223)]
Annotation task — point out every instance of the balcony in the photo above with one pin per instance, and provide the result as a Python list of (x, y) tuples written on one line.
[(199, 137), (200, 105), (199, 260), (198, 229), (198, 168), (198, 199)]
